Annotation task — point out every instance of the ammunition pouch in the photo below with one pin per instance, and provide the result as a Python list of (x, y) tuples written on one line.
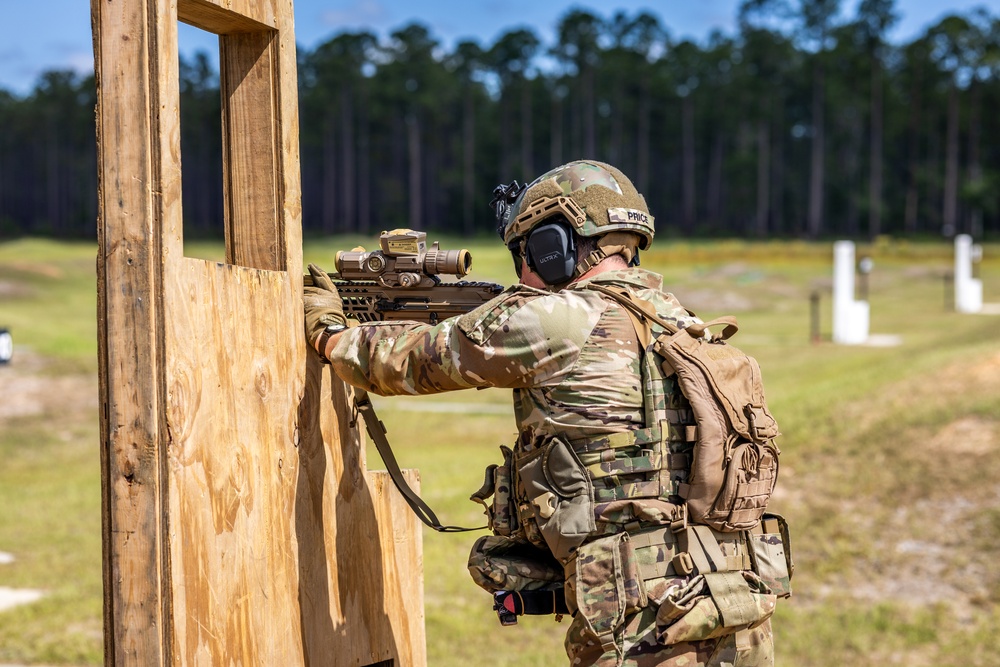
[(712, 605), (734, 580), (560, 496), (508, 511), (771, 554), (501, 511), (603, 585), (707, 583)]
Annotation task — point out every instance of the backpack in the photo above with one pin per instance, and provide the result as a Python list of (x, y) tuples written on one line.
[(734, 462)]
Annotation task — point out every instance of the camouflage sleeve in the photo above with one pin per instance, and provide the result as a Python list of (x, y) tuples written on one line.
[(523, 338), (391, 358)]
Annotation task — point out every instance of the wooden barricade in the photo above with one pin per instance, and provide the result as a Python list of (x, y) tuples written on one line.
[(241, 525)]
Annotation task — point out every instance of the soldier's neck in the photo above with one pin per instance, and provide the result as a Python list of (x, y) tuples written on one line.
[(612, 263)]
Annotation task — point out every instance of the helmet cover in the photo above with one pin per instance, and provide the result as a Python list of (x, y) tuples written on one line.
[(608, 200)]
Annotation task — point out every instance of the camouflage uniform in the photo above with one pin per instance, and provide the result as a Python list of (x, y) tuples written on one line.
[(572, 358)]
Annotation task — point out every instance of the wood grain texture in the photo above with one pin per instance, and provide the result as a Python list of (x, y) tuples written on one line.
[(224, 17), (252, 180), (284, 548), (360, 551), (241, 526), (137, 193), (231, 415)]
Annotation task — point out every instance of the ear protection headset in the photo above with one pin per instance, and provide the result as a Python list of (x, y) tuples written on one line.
[(550, 251)]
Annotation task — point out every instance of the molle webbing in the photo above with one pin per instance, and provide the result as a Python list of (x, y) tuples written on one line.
[(651, 462), (661, 552), (634, 464)]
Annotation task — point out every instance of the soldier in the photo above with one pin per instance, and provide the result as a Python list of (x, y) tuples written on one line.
[(590, 492)]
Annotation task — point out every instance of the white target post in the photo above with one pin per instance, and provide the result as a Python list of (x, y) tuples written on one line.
[(850, 317), (6, 346), (968, 290)]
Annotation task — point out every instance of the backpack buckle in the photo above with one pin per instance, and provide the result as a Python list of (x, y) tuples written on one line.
[(683, 564), (680, 523), (751, 410)]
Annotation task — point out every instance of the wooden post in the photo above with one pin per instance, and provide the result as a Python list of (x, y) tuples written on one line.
[(241, 525)]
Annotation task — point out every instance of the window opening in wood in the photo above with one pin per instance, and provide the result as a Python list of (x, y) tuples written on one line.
[(201, 144)]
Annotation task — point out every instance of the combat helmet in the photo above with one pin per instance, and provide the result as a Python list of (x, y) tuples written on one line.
[(594, 198)]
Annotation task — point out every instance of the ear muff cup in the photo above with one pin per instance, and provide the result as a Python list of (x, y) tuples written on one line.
[(550, 251)]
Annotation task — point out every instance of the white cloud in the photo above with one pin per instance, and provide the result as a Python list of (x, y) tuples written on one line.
[(71, 56)]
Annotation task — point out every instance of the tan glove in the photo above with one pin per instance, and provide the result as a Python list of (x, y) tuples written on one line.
[(323, 307)]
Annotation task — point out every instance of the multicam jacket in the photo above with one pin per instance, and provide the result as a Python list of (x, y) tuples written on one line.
[(573, 360), (572, 355)]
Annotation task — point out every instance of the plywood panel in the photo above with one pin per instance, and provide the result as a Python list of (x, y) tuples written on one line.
[(241, 526), (231, 411), (276, 522), (361, 597)]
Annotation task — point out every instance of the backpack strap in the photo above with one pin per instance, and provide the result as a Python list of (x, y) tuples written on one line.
[(642, 312)]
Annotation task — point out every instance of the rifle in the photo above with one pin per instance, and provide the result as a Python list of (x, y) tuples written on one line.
[(401, 280)]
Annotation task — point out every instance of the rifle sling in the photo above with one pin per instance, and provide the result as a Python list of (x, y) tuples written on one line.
[(376, 429)]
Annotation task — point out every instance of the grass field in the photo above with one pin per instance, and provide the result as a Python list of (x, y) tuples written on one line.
[(890, 475)]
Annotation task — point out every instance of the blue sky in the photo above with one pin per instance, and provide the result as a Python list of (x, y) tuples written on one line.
[(46, 34)]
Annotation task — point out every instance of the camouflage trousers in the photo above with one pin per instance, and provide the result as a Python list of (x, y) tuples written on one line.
[(639, 647), (622, 619)]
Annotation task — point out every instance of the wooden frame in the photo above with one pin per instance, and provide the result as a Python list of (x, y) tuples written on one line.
[(238, 509)]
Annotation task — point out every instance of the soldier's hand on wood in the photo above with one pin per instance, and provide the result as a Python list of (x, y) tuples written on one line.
[(323, 308)]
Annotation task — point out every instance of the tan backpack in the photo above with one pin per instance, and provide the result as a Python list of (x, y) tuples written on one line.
[(734, 463)]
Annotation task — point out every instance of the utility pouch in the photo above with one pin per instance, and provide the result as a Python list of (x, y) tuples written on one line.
[(604, 584), (747, 482), (501, 512), (499, 563), (560, 494), (713, 605), (771, 554)]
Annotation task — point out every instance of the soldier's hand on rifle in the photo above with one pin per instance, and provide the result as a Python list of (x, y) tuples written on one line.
[(324, 311)]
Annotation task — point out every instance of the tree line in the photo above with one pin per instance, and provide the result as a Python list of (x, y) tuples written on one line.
[(805, 123)]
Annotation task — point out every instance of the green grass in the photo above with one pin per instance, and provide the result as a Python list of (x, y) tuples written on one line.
[(885, 451), (52, 301)]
